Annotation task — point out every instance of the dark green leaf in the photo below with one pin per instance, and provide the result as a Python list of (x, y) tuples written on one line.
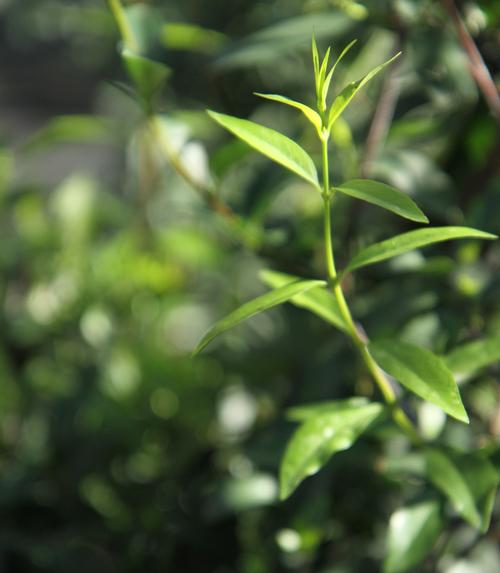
[(410, 241), (148, 75), (259, 304), (422, 372), (321, 436), (471, 357), (384, 196), (413, 530), (274, 145), (320, 301), (305, 411)]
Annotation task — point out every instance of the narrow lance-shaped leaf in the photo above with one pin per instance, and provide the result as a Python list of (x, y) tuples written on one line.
[(467, 359), (326, 84), (346, 95), (384, 196), (410, 241), (422, 372), (259, 304), (310, 114), (269, 142), (413, 530), (469, 481), (319, 300), (321, 436), (315, 57)]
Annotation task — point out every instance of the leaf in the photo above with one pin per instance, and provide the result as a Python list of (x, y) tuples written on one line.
[(413, 530), (311, 115), (471, 357), (149, 76), (275, 145), (326, 84), (422, 372), (183, 36), (346, 95), (259, 304), (321, 436), (469, 481), (319, 300), (410, 241), (305, 411), (384, 196)]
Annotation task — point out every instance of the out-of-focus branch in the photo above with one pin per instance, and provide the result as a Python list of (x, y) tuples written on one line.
[(478, 68)]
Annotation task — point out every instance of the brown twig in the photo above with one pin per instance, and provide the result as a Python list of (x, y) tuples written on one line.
[(478, 68)]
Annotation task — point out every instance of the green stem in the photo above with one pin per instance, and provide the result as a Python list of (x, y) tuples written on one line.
[(126, 32), (360, 342)]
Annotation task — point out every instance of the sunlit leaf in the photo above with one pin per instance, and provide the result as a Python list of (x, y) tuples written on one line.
[(320, 301), (410, 241), (346, 95), (269, 142), (384, 196), (319, 437), (259, 304), (311, 115), (413, 530), (469, 481), (422, 372), (149, 76), (328, 79), (471, 357)]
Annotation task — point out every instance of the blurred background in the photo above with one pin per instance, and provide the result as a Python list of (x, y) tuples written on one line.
[(118, 451)]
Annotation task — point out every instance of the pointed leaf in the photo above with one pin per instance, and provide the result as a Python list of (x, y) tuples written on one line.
[(315, 57), (148, 75), (410, 241), (422, 372), (413, 530), (346, 95), (384, 196), (305, 411), (326, 85), (468, 480), (259, 304), (469, 358), (319, 300), (321, 436), (275, 145), (311, 115)]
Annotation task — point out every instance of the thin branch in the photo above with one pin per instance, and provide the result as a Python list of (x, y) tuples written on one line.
[(478, 68)]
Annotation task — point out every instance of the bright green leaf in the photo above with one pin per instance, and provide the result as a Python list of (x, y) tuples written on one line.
[(469, 481), (275, 145), (422, 372), (469, 358), (305, 411), (311, 115), (346, 95), (410, 241), (183, 36), (384, 196), (326, 84), (259, 304), (413, 530), (319, 300), (149, 76), (319, 437)]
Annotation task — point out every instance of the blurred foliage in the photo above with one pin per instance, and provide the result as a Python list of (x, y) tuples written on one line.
[(118, 452)]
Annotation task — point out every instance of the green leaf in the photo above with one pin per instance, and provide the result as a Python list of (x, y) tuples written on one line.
[(259, 304), (305, 411), (410, 241), (321, 436), (422, 372), (275, 145), (320, 301), (315, 57), (469, 358), (183, 36), (346, 95), (469, 481), (148, 75), (413, 530), (311, 115), (384, 196), (326, 84)]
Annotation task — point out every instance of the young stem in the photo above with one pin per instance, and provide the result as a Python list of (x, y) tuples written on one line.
[(360, 342)]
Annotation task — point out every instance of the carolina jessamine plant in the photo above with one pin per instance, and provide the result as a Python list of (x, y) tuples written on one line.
[(333, 426)]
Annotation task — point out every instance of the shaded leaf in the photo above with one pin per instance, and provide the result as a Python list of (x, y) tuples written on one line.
[(149, 76), (311, 115), (319, 437), (471, 357), (305, 411), (469, 481), (422, 372), (384, 196), (184, 36), (413, 530), (320, 301), (346, 95), (410, 241), (259, 304), (274, 145)]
